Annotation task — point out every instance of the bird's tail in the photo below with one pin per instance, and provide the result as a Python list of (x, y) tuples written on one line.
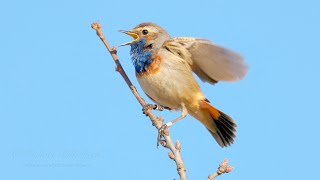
[(221, 126)]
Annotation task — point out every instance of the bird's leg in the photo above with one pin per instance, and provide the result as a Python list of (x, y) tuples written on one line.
[(163, 128), (152, 106)]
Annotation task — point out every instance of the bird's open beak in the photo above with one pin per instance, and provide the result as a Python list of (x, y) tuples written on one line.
[(132, 34)]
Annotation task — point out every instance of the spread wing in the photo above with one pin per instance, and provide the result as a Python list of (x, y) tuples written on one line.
[(210, 62)]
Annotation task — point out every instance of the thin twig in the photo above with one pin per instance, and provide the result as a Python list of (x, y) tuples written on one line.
[(223, 168), (156, 121)]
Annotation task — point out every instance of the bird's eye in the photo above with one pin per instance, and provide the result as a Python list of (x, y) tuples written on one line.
[(144, 32)]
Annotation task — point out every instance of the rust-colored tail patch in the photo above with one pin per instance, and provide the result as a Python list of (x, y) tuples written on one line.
[(212, 110), (224, 125)]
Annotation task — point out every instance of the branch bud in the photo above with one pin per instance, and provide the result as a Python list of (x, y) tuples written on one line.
[(163, 143), (178, 145), (171, 155), (229, 169), (224, 162)]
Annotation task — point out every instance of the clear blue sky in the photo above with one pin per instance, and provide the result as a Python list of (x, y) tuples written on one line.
[(66, 114)]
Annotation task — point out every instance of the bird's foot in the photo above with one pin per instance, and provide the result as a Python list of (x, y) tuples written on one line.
[(152, 106), (159, 107), (147, 107)]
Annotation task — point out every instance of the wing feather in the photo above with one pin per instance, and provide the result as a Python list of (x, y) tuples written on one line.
[(210, 62)]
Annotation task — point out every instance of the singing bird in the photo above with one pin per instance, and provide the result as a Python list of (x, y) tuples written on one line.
[(164, 67)]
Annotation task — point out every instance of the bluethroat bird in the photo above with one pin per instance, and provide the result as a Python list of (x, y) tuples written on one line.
[(164, 67)]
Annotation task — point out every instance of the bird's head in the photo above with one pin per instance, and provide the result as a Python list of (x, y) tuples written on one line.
[(152, 35)]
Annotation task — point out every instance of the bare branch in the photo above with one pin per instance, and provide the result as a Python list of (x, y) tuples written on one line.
[(223, 168), (156, 121)]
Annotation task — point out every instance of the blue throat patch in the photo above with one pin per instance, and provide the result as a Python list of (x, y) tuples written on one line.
[(141, 58)]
